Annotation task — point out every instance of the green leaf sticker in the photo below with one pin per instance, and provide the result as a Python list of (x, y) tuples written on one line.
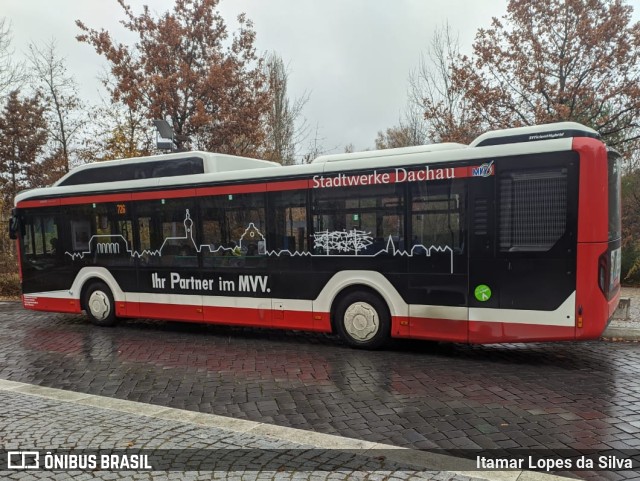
[(483, 293)]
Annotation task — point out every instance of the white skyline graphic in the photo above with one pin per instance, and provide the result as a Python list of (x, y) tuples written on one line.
[(343, 242)]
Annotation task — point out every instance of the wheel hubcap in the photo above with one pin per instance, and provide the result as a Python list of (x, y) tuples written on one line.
[(361, 321), (99, 305)]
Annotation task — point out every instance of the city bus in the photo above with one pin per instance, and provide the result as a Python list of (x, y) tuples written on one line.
[(513, 238)]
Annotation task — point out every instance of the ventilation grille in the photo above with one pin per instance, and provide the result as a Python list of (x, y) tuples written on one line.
[(481, 217), (533, 209)]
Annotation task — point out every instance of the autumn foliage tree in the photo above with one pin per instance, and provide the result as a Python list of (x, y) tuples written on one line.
[(117, 132), (23, 136), (410, 131), (553, 60), (187, 68)]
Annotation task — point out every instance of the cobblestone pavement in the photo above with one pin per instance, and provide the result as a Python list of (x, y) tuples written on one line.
[(421, 395), (56, 427)]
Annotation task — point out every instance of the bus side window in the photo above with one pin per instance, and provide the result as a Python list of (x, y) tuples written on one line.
[(436, 215), (290, 221), (358, 220), (234, 229), (41, 244), (111, 239)]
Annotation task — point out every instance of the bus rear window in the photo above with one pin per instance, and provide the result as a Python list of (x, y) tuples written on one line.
[(614, 178)]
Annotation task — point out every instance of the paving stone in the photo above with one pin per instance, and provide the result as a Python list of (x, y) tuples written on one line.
[(413, 394)]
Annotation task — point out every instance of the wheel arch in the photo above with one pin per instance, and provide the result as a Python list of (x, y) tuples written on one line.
[(345, 292), (345, 282), (87, 276)]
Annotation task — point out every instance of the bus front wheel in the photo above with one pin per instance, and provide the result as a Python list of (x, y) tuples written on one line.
[(362, 320), (98, 302)]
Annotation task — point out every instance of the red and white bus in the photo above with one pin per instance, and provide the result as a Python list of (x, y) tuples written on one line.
[(515, 237)]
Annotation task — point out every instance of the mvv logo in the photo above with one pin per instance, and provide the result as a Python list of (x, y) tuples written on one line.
[(252, 283), (485, 170)]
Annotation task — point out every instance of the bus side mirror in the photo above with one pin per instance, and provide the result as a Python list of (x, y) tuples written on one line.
[(13, 225)]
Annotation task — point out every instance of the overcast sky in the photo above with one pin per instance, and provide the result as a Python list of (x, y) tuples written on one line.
[(353, 57)]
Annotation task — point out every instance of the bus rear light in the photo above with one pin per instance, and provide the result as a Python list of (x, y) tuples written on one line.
[(602, 273), (579, 317)]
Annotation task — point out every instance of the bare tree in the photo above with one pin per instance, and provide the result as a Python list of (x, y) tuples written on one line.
[(315, 147), (60, 93), (117, 132), (284, 130), (445, 109), (411, 130), (11, 73)]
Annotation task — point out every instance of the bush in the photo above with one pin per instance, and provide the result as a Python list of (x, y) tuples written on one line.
[(630, 268), (10, 285), (630, 273)]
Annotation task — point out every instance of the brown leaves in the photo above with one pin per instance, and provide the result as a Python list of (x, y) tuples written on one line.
[(554, 60), (185, 68), (24, 135)]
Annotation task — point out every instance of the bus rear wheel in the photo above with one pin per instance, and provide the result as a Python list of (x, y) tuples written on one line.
[(362, 320), (99, 304)]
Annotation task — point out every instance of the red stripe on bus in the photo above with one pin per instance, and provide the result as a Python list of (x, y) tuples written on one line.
[(39, 203), (96, 199), (437, 329), (461, 172), (233, 316), (52, 304), (288, 185), (77, 200), (481, 332)]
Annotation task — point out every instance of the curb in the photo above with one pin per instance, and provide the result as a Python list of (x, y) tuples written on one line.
[(419, 459), (625, 333)]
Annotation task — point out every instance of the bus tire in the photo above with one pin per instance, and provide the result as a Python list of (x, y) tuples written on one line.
[(99, 304), (362, 320)]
